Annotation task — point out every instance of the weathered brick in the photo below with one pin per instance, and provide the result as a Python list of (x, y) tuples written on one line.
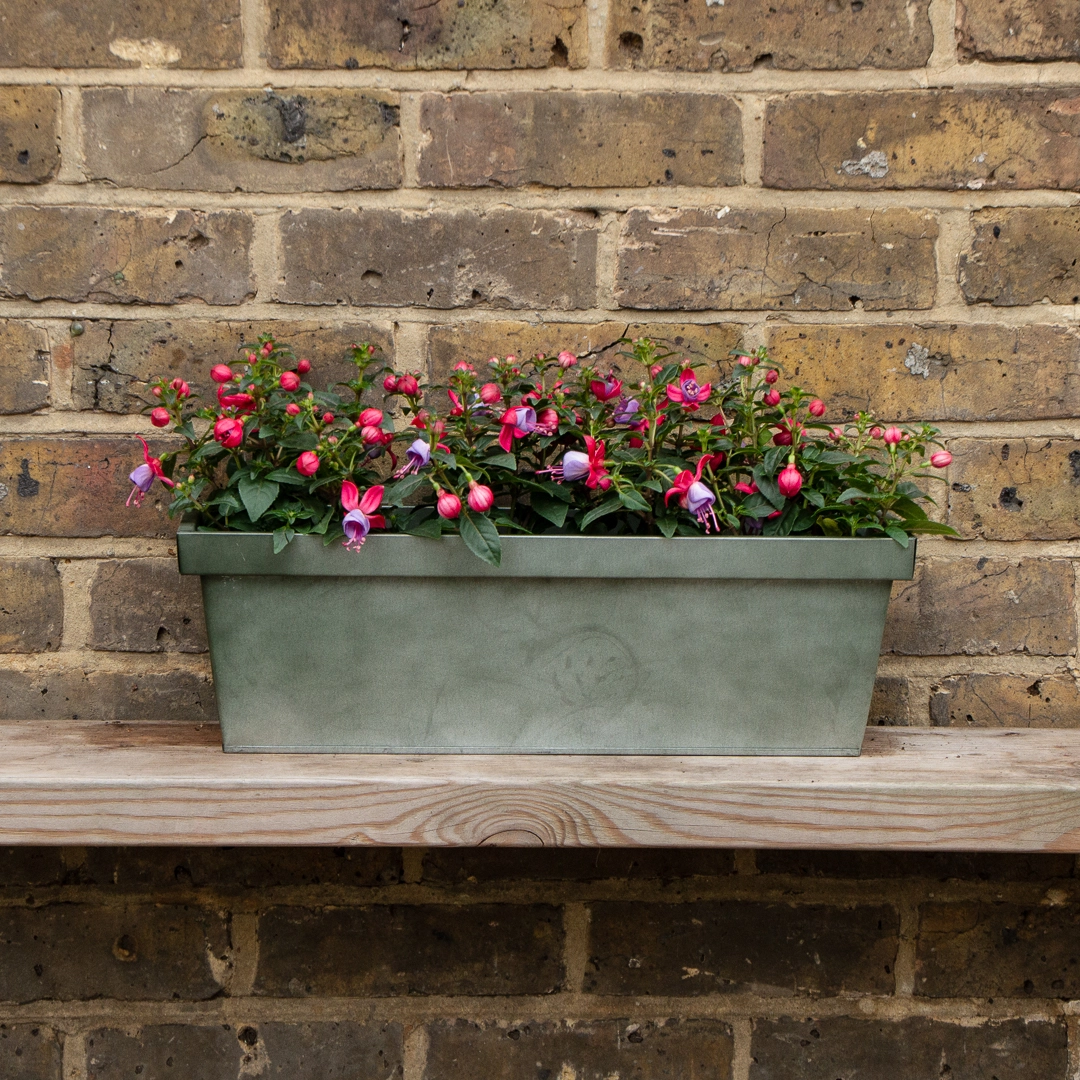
[(1022, 255), (912, 372), (412, 34), (790, 35), (29, 133), (144, 605), (1017, 30), (728, 947), (125, 256), (25, 385), (585, 1050), (153, 952), (997, 949), (242, 140), (120, 33), (315, 1051), (839, 1046), (891, 705), (809, 260), (166, 1050), (31, 606), (579, 139), (705, 344), (30, 1052), (1023, 489), (31, 866), (977, 139), (477, 949), (114, 360), (502, 258), (76, 487), (983, 606), (1012, 701), (938, 865), (469, 866), (79, 694)]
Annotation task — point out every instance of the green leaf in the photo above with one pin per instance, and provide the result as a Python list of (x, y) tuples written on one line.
[(633, 501), (550, 508), (835, 457), (667, 525), (430, 527), (501, 461), (481, 537), (402, 489), (768, 487), (928, 527), (302, 440), (287, 476), (282, 538), (898, 535), (607, 507), (814, 497), (756, 506), (557, 491), (851, 493), (828, 526)]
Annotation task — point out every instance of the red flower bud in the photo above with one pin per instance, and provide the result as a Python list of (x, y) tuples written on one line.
[(370, 434), (876, 433), (304, 367), (719, 421), (389, 384), (656, 369), (490, 393), (567, 359), (836, 434), (289, 381), (782, 438), (893, 435), (221, 373), (372, 417), (267, 349), (940, 458), (408, 386), (156, 391), (817, 407), (229, 432), (771, 376), (307, 464), (182, 389), (463, 365), (292, 409), (448, 505), (771, 397), (160, 418), (480, 498), (746, 361), (789, 482), (327, 417), (251, 358)]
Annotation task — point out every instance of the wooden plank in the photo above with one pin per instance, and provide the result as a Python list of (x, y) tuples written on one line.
[(152, 783)]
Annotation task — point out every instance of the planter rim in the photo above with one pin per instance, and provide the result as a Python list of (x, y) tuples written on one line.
[(399, 555)]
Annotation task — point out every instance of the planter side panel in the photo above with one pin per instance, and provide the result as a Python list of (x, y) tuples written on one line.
[(480, 664)]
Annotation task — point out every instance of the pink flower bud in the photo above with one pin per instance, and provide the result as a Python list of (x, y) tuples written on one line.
[(789, 482), (567, 359), (292, 409), (656, 369), (229, 432), (463, 365), (221, 373), (893, 435), (771, 376), (490, 393), (836, 434), (160, 418), (480, 497), (746, 361), (389, 384), (304, 367), (876, 433), (156, 391), (251, 358), (327, 417), (448, 505), (289, 381), (408, 386), (771, 397), (267, 349), (372, 417), (940, 459), (370, 434), (182, 389), (817, 407), (307, 464)]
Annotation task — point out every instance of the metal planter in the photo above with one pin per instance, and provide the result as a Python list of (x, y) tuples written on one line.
[(576, 645)]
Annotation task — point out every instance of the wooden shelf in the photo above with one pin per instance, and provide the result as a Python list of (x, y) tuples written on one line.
[(154, 783)]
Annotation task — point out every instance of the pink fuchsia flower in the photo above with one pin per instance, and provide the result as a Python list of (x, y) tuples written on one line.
[(229, 432), (625, 410), (893, 435), (771, 398), (480, 498), (160, 417), (688, 394), (606, 389), (289, 381), (789, 481), (771, 376), (940, 459), (244, 403), (490, 394), (458, 409), (360, 518), (307, 464), (303, 367), (817, 407), (221, 373), (144, 475), (516, 423), (448, 505), (547, 422), (746, 489), (719, 421), (417, 457), (695, 496), (292, 409), (598, 477), (575, 466), (567, 359)]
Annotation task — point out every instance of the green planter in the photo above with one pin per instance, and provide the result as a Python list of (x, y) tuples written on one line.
[(576, 645)]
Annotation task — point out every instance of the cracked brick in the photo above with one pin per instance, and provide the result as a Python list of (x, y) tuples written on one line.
[(1006, 701), (1017, 30)]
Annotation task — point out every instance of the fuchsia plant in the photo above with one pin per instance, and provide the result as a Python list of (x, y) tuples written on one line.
[(551, 444)]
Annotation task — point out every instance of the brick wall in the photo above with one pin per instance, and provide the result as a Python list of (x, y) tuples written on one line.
[(883, 191)]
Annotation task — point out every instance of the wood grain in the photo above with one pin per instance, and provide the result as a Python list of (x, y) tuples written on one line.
[(151, 783)]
